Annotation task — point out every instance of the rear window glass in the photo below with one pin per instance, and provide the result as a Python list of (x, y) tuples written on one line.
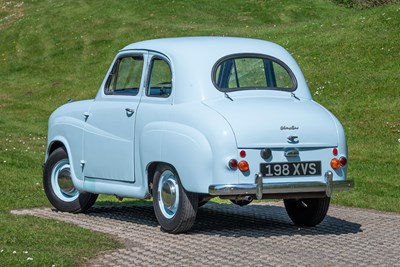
[(244, 72)]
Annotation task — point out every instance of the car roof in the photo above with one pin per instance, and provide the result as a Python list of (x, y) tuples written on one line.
[(211, 45), (195, 57)]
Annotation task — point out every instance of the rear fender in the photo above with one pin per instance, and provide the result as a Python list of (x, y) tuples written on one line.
[(184, 148)]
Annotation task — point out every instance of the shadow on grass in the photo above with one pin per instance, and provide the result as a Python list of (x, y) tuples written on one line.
[(231, 220)]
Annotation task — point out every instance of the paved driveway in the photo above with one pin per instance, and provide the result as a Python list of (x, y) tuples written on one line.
[(255, 235)]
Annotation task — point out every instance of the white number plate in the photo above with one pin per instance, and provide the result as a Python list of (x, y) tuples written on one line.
[(304, 168)]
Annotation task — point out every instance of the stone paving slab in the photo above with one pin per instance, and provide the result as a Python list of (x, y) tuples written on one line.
[(254, 235)]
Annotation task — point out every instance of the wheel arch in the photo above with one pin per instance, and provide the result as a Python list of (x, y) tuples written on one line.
[(151, 170), (54, 145), (57, 178), (61, 142)]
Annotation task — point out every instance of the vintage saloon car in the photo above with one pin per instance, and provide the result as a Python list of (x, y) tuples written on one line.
[(183, 120)]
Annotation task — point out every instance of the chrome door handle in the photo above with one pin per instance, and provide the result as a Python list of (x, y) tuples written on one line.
[(129, 111)]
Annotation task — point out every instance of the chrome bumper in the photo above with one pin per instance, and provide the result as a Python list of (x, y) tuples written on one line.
[(259, 188)]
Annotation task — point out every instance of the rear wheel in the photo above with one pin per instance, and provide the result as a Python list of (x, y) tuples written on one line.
[(307, 211), (58, 186), (175, 208)]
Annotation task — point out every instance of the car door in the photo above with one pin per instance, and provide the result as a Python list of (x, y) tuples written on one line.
[(108, 145), (154, 114)]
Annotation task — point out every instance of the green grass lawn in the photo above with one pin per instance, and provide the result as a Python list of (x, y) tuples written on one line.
[(53, 50)]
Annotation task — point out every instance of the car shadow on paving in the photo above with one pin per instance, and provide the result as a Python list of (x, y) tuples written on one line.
[(231, 220)]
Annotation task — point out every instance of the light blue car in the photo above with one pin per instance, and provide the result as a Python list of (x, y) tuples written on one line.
[(183, 120)]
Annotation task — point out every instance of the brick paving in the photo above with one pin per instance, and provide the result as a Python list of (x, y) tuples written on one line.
[(254, 235)]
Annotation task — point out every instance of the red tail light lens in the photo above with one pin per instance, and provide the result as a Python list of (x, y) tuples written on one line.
[(335, 151), (233, 164), (343, 161), (242, 153), (243, 166)]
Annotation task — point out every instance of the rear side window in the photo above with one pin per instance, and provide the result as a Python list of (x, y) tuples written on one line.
[(125, 77), (160, 78), (244, 72)]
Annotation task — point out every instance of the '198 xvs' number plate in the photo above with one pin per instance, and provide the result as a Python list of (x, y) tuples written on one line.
[(304, 168)]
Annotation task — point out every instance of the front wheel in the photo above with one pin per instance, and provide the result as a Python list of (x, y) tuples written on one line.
[(58, 186), (307, 211), (175, 208)]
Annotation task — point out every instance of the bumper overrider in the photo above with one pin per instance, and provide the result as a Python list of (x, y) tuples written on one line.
[(263, 190)]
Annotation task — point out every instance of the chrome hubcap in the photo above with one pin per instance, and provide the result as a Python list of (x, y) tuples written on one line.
[(62, 183), (65, 181), (168, 192)]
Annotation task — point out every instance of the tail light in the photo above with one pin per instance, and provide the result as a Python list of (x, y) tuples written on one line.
[(243, 166), (335, 163), (343, 161), (233, 164)]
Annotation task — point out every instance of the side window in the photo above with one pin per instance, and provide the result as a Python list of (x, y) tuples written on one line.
[(125, 77), (160, 78)]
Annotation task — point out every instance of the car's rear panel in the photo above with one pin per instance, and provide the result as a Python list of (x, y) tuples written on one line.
[(285, 142)]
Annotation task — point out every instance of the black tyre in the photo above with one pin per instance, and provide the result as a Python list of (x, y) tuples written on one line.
[(59, 188), (307, 211), (175, 208)]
